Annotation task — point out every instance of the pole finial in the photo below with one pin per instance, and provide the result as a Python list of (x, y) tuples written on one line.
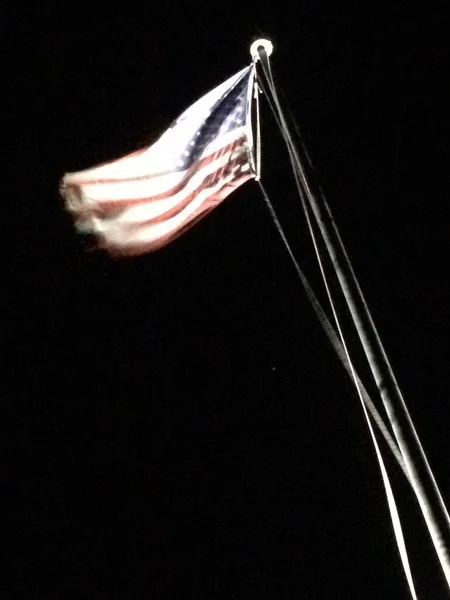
[(258, 45)]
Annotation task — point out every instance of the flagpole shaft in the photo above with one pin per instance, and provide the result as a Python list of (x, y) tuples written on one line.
[(416, 463), (422, 480)]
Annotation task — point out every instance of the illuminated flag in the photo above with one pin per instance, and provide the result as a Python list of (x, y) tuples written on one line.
[(143, 201)]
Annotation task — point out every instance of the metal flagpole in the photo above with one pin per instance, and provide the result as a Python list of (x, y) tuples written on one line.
[(420, 475)]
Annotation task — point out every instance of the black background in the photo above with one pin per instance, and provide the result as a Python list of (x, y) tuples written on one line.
[(178, 420)]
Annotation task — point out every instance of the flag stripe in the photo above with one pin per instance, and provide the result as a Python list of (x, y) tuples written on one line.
[(115, 228), (132, 246), (150, 209), (208, 182), (125, 218), (145, 168), (128, 194)]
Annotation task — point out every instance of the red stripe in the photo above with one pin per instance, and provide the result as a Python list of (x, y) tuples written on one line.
[(111, 208), (137, 249), (139, 177), (208, 181), (117, 161), (168, 193)]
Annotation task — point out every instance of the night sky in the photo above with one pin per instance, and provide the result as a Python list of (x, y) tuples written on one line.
[(176, 425)]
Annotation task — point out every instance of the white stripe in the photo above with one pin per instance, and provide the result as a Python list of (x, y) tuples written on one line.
[(118, 234), (143, 213), (92, 193), (154, 208)]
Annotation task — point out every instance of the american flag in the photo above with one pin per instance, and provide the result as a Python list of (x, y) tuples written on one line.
[(143, 201)]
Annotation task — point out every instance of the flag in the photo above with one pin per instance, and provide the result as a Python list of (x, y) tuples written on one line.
[(146, 199)]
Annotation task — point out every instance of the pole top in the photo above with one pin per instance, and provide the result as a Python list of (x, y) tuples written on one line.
[(258, 45)]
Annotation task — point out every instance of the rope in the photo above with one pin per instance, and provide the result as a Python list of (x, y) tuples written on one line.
[(334, 339), (438, 523), (257, 91), (328, 328), (300, 179), (341, 349)]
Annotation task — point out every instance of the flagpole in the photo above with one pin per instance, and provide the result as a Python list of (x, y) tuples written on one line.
[(420, 475)]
